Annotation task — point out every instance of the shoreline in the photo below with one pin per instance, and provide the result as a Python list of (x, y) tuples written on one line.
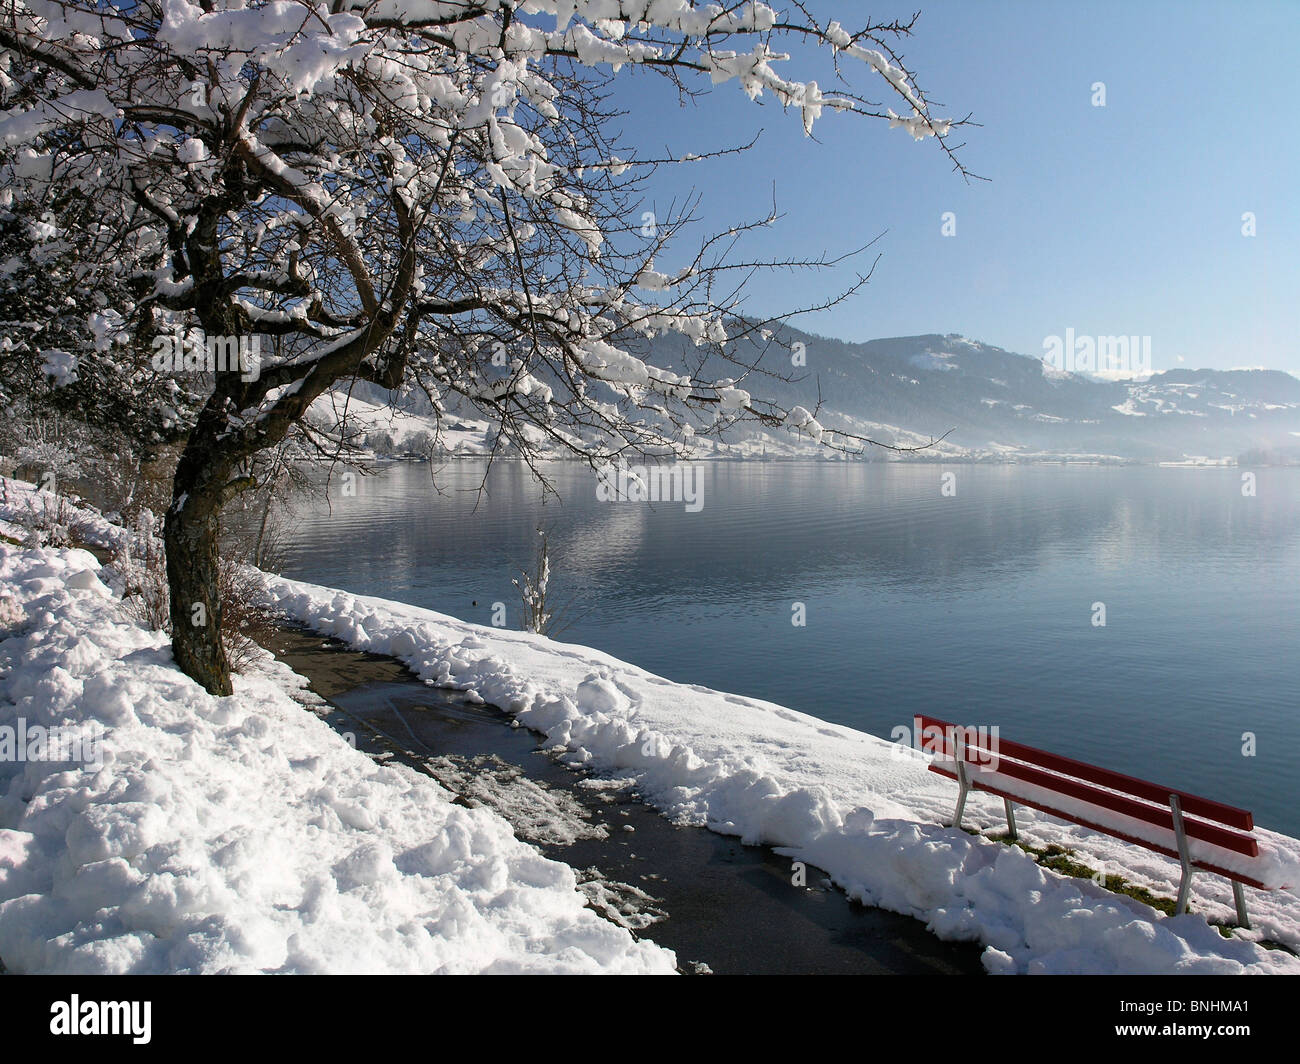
[(862, 808), (842, 800), (723, 906)]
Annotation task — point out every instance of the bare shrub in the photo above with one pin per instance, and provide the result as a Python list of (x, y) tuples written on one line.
[(142, 568), (52, 521), (532, 591), (534, 595)]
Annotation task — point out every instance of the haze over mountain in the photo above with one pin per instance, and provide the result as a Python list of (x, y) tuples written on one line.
[(992, 403)]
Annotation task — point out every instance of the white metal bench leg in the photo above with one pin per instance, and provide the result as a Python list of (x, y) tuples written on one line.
[(1011, 819), (1185, 885), (1239, 896), (963, 783)]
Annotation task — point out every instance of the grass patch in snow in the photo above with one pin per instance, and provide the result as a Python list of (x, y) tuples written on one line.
[(1062, 859)]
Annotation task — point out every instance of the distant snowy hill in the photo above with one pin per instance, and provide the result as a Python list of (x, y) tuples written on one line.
[(994, 404), (996, 401)]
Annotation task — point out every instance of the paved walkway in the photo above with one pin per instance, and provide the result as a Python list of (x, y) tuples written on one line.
[(722, 906)]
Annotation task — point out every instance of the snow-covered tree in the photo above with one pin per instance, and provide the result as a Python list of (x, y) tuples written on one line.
[(415, 193), (65, 345)]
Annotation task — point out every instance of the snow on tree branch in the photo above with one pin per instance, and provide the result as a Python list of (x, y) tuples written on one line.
[(422, 194)]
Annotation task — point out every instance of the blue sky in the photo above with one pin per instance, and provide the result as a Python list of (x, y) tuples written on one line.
[(1116, 220)]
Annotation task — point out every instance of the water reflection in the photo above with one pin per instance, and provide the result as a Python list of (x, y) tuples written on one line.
[(977, 605)]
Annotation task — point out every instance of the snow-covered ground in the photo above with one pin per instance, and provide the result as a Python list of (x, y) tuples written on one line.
[(243, 834), (845, 801), (24, 506), (455, 436), (240, 834), (469, 437)]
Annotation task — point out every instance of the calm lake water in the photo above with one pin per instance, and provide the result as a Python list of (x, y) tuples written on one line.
[(977, 607)]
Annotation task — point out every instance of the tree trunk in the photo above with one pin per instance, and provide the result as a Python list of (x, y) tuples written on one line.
[(193, 573), (193, 522), (222, 438)]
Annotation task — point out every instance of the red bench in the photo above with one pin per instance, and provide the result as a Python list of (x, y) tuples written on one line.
[(1021, 774)]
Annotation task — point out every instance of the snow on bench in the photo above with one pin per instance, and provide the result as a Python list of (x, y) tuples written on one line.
[(1201, 834)]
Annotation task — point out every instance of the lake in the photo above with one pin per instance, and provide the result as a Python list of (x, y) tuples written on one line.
[(979, 606)]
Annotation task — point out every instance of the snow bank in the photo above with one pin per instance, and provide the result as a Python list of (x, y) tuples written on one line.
[(863, 809), (23, 505), (241, 834)]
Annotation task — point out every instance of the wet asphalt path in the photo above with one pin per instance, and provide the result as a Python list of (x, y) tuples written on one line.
[(722, 906)]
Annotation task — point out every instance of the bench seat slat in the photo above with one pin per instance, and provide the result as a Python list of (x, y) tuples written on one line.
[(1192, 804)]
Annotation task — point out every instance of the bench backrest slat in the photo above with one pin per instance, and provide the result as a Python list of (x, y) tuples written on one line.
[(1192, 804), (1214, 834), (1096, 825)]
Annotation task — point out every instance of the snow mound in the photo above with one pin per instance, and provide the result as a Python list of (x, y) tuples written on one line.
[(242, 834)]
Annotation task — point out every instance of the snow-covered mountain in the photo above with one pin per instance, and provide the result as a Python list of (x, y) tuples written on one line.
[(995, 401), (993, 404)]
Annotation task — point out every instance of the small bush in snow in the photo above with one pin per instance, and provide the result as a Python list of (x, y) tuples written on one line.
[(142, 575), (539, 615), (51, 522), (142, 570), (532, 592)]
